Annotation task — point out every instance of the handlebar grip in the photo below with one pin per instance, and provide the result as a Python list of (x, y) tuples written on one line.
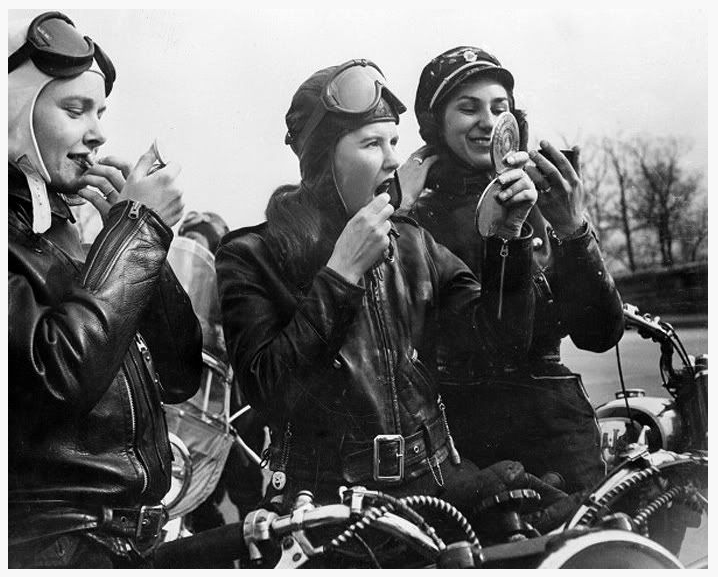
[(206, 549), (653, 327)]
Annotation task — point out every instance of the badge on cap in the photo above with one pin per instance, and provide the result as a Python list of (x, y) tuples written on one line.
[(469, 55)]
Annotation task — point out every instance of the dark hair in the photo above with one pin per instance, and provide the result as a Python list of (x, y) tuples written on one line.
[(303, 223)]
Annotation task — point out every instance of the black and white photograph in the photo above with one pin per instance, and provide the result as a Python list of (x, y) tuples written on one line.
[(334, 285)]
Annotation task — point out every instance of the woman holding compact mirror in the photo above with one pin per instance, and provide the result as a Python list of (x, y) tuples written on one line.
[(330, 309), (535, 411)]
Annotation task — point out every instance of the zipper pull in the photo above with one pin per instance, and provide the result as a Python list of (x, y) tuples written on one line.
[(134, 210), (265, 458), (390, 251), (453, 453), (503, 253)]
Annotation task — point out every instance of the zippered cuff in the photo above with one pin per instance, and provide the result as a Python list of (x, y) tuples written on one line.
[(125, 219), (507, 263), (576, 247), (137, 210)]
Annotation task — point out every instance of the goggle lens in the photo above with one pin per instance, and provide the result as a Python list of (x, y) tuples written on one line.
[(57, 36), (58, 49), (356, 89)]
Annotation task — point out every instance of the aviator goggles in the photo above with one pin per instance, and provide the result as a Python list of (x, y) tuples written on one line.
[(355, 89), (59, 50)]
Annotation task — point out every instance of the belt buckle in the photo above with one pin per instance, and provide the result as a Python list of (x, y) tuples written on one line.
[(383, 439), (150, 521)]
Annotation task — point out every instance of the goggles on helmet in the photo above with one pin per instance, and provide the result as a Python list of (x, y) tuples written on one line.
[(354, 89), (59, 50)]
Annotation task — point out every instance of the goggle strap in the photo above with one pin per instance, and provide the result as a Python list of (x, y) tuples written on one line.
[(19, 56), (314, 120)]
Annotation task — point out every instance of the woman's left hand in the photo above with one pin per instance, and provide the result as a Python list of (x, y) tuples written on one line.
[(103, 183), (560, 190), (412, 175)]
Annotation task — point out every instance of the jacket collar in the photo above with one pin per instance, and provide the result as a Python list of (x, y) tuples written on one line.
[(18, 189), (453, 178)]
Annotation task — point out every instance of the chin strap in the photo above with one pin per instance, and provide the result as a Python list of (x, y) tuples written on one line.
[(41, 215)]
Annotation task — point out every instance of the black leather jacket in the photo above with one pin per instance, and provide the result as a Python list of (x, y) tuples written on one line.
[(342, 362), (575, 293), (86, 422)]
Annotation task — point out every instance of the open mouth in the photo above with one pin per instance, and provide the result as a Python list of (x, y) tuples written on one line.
[(83, 159), (383, 187)]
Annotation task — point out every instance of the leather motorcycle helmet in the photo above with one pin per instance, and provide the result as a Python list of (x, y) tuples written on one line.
[(330, 103), (444, 74), (64, 54), (207, 224)]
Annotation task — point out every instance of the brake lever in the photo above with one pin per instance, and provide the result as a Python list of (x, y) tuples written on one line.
[(293, 551)]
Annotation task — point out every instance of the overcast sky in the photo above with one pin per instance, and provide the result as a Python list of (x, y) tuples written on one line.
[(214, 85)]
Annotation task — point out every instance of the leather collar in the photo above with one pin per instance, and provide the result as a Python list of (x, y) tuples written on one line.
[(18, 189)]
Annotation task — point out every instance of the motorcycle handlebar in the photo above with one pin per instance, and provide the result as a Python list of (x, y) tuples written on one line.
[(223, 545), (654, 327), (206, 549)]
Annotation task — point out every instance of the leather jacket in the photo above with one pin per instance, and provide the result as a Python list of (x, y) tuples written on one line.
[(86, 419), (342, 363), (575, 293)]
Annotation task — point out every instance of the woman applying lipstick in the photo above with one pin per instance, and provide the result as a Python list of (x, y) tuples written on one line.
[(536, 410)]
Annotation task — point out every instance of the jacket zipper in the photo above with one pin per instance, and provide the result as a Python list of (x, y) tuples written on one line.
[(154, 380), (133, 213), (503, 253), (133, 414), (148, 402), (375, 277)]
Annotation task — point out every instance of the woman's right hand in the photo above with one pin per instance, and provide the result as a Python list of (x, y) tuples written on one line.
[(363, 240), (412, 175), (517, 195)]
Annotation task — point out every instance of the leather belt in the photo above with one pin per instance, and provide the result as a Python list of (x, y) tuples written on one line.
[(394, 458), (142, 523)]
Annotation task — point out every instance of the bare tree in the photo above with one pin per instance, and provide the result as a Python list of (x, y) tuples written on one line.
[(594, 171), (692, 231), (665, 191), (617, 156)]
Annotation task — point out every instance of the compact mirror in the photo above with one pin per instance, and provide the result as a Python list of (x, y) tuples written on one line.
[(504, 139), (160, 162), (488, 211)]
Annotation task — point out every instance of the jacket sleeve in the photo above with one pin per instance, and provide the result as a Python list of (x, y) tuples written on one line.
[(273, 340), (590, 307), (174, 336), (506, 289), (67, 353)]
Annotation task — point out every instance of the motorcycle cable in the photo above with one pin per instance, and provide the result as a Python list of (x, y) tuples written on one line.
[(623, 389)]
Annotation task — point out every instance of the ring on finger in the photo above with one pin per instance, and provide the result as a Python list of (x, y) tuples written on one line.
[(418, 160), (544, 189)]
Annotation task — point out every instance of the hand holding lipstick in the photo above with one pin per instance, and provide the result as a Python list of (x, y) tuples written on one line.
[(113, 180)]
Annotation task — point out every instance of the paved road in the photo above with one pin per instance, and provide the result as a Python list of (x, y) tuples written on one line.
[(639, 359)]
